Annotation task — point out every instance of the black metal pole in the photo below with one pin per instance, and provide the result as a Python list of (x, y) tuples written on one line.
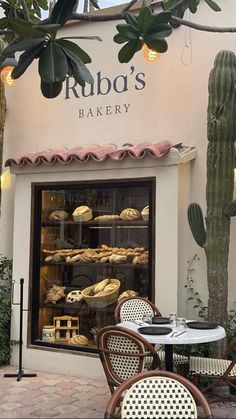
[(20, 373)]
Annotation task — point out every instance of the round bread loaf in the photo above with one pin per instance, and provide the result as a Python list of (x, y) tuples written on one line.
[(83, 209), (145, 210), (130, 214), (78, 340), (58, 215)]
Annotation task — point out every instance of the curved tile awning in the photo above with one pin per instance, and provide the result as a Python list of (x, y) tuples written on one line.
[(97, 153)]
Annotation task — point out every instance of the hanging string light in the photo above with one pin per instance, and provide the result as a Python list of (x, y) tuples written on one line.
[(149, 54), (5, 71)]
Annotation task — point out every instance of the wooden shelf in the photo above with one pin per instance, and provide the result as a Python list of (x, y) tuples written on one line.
[(97, 265)]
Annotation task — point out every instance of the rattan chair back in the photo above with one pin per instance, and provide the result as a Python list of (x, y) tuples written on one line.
[(124, 353), (157, 395), (133, 308)]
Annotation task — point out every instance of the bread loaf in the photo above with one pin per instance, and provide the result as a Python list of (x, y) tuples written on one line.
[(117, 258), (58, 215), (130, 214), (78, 340)]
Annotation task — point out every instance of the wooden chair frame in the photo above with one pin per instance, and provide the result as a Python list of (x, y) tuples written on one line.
[(145, 353), (123, 301), (119, 395)]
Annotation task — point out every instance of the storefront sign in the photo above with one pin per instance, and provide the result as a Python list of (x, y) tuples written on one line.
[(103, 86)]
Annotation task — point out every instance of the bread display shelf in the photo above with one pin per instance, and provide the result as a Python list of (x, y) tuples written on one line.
[(56, 223), (97, 265)]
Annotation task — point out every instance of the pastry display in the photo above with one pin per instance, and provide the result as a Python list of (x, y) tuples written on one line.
[(55, 294), (117, 258), (58, 215), (82, 213), (74, 296), (141, 259), (103, 293), (109, 217), (145, 213), (129, 214), (127, 293), (78, 340)]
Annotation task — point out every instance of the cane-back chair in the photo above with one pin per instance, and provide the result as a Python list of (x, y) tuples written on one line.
[(157, 395), (124, 353), (215, 369), (133, 308)]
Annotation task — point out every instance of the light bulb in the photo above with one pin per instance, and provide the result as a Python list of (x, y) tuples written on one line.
[(6, 76), (149, 54)]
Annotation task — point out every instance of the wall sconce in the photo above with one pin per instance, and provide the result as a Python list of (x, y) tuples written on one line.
[(149, 54), (5, 71)]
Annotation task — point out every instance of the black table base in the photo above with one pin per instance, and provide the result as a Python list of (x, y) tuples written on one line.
[(169, 357)]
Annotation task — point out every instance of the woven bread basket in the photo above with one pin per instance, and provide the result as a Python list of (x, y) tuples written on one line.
[(103, 300)]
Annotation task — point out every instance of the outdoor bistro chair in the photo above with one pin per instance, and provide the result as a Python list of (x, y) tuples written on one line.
[(133, 308), (124, 353), (216, 369), (157, 395)]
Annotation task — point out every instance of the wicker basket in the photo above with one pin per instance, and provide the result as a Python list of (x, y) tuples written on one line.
[(103, 300)]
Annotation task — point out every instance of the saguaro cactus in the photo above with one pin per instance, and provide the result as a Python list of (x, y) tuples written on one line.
[(221, 132)]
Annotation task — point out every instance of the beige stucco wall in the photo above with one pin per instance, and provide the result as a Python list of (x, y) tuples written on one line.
[(172, 106)]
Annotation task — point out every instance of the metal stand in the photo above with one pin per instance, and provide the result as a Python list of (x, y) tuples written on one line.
[(20, 373)]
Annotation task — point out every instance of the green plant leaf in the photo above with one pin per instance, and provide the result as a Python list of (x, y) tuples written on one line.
[(62, 11), (131, 20), (96, 38), (158, 45), (193, 6), (163, 17), (50, 28), (51, 90), (128, 50), (71, 46), (144, 19), (160, 31), (24, 29), (95, 4), (21, 45), (25, 60), (3, 23), (81, 67), (119, 39), (52, 64), (76, 74), (213, 5), (127, 31)]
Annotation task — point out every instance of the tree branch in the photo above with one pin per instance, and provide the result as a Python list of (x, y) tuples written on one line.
[(203, 28), (129, 5)]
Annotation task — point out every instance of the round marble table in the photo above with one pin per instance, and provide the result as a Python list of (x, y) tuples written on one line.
[(191, 336)]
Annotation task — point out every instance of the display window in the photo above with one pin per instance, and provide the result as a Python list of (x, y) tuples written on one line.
[(93, 244)]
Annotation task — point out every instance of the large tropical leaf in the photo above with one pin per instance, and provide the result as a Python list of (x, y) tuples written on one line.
[(131, 20), (128, 50), (51, 90), (76, 74), (162, 31), (96, 38), (163, 17), (71, 46), (213, 5), (25, 60), (24, 29), (62, 11), (128, 31), (119, 39), (144, 19), (21, 45), (83, 70), (52, 64)]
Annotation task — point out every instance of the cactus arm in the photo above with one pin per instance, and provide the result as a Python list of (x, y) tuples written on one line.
[(196, 223), (230, 208)]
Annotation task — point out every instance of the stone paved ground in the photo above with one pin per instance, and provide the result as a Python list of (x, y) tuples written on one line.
[(60, 396)]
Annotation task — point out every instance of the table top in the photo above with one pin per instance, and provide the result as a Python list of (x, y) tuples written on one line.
[(192, 336)]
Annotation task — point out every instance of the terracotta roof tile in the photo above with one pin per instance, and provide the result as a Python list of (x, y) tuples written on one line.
[(97, 153)]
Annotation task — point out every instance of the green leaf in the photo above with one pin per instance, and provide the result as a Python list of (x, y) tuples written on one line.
[(128, 31), (3, 23), (95, 4), (128, 50), (119, 39), (158, 45), (52, 64), (21, 45), (76, 74), (83, 70), (163, 17), (25, 60), (131, 20), (161, 31), (71, 46), (144, 19), (213, 5), (51, 90), (43, 4), (62, 11), (24, 29), (50, 28), (193, 6), (96, 38)]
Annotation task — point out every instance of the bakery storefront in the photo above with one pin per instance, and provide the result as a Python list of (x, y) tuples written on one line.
[(99, 223)]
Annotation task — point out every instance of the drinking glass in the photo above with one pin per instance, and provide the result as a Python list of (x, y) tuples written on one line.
[(173, 317), (147, 318), (181, 324)]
